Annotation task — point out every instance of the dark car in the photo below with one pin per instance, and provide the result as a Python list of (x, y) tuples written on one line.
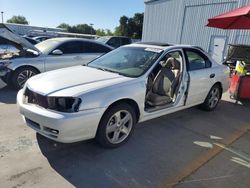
[(32, 41), (115, 41), (42, 38)]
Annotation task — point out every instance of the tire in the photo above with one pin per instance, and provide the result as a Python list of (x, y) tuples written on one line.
[(21, 75), (212, 99), (4, 80), (113, 133)]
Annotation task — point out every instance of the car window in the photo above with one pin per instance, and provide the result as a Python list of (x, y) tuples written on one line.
[(125, 41), (128, 61), (197, 60), (177, 55), (115, 42), (103, 39), (71, 47), (47, 46), (95, 48)]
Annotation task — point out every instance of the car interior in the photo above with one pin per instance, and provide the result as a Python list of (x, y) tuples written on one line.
[(164, 81)]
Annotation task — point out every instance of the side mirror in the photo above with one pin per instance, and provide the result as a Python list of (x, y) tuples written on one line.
[(57, 52), (33, 52)]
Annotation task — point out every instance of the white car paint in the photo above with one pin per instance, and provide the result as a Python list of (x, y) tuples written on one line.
[(46, 61), (98, 90), (42, 57)]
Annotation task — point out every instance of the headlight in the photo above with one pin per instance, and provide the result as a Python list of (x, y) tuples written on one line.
[(64, 104)]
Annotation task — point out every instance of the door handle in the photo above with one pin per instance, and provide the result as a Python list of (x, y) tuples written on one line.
[(212, 75)]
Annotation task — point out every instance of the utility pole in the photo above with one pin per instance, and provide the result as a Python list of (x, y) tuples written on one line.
[(91, 28), (2, 16)]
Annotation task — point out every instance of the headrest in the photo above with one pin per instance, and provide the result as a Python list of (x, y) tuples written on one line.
[(168, 63), (176, 64)]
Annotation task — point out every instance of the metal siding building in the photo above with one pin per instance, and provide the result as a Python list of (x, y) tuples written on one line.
[(183, 22)]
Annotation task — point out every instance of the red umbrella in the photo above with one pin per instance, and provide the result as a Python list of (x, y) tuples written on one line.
[(235, 19)]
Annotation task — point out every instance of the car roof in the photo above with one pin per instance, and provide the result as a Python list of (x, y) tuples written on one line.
[(163, 46), (155, 43), (67, 39), (37, 37), (109, 37), (60, 39)]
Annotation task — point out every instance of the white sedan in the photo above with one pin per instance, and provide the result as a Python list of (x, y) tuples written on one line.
[(107, 97)]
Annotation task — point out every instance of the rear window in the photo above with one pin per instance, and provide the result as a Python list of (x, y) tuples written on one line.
[(197, 60)]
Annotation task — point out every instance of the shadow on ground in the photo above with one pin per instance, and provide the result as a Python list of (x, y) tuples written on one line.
[(147, 159)]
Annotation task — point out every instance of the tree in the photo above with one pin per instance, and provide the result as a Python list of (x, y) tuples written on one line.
[(131, 27), (64, 26), (18, 20), (102, 32), (118, 31), (138, 21), (80, 28), (109, 32)]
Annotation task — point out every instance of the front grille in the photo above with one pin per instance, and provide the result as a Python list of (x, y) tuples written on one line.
[(35, 98)]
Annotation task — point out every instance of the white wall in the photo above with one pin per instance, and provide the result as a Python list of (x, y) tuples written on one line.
[(183, 21)]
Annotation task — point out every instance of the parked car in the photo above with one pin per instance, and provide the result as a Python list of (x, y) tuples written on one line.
[(115, 41), (41, 38), (31, 40), (45, 56), (107, 97)]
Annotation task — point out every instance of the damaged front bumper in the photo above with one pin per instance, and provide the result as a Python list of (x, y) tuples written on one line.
[(4, 71)]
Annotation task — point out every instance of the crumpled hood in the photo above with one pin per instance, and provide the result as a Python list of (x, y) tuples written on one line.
[(73, 81), (7, 34)]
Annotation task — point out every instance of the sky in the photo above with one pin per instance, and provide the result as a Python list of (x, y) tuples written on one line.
[(104, 14)]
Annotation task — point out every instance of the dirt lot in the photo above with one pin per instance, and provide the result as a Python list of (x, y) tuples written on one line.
[(191, 148)]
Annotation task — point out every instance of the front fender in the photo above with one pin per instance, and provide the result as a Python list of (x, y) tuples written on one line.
[(103, 98), (36, 62)]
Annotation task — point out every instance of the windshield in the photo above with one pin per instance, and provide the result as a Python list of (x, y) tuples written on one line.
[(102, 39), (127, 61), (47, 45)]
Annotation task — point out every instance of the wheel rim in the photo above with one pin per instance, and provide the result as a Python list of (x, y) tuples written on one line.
[(119, 126), (214, 97), (24, 76)]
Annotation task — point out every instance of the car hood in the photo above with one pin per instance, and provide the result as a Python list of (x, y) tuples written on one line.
[(73, 81), (20, 42)]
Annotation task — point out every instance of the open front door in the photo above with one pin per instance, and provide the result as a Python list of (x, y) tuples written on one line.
[(167, 83)]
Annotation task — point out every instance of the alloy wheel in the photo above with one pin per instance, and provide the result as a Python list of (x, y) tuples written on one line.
[(119, 126), (24, 76), (214, 97)]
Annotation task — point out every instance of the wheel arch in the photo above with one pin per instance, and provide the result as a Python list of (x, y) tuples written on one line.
[(128, 101), (14, 74), (27, 66), (220, 86)]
